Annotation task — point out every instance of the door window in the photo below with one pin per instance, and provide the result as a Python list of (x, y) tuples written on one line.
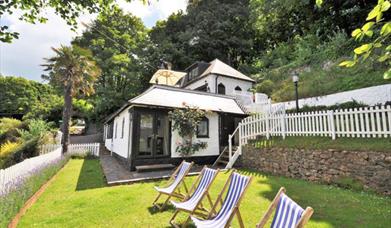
[(146, 134)]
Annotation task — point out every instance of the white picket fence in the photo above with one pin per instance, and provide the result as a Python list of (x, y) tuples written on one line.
[(49, 153), (82, 148), (44, 149), (368, 122), (10, 176)]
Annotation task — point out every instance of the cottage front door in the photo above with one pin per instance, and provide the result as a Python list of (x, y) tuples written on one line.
[(153, 135)]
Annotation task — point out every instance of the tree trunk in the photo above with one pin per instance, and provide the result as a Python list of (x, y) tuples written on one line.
[(66, 116)]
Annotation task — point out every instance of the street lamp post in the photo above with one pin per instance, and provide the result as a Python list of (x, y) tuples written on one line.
[(295, 79)]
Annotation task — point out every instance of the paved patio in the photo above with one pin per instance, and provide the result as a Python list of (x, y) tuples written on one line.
[(117, 174)]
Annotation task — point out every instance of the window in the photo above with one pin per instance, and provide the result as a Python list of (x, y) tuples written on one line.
[(237, 88), (193, 73), (221, 88), (115, 136), (203, 128), (109, 133), (123, 125)]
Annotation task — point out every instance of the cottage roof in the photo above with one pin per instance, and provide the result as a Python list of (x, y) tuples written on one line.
[(171, 97), (218, 67)]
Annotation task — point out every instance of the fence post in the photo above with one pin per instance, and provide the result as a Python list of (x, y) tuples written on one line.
[(330, 115), (283, 125), (267, 125)]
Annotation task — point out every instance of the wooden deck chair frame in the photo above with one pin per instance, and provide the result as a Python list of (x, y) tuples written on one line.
[(178, 194), (199, 205), (236, 210), (307, 213)]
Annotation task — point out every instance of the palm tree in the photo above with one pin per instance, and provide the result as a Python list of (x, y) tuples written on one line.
[(73, 70)]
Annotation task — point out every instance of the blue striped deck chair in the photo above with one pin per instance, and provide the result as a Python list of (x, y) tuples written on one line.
[(288, 213), (176, 179), (238, 184), (198, 191)]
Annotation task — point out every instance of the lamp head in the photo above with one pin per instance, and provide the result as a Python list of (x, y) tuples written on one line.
[(295, 78)]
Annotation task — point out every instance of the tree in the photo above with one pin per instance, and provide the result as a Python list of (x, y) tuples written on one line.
[(118, 42), (33, 12), (21, 97), (301, 17), (210, 29), (73, 70), (376, 31)]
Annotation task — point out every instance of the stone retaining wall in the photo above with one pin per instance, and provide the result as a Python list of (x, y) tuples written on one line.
[(371, 169)]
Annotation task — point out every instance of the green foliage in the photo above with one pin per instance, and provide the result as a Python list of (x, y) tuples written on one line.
[(316, 62), (25, 97), (25, 150), (185, 121), (9, 129), (266, 86), (8, 148), (74, 71), (82, 108), (74, 67), (118, 42), (34, 11), (209, 29), (377, 30), (35, 129), (7, 124)]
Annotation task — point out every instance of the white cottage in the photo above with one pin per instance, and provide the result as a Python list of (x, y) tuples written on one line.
[(140, 132)]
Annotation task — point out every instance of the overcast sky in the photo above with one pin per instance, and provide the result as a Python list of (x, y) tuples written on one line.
[(24, 55)]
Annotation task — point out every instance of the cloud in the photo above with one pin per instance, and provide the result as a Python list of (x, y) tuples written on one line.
[(24, 56), (154, 10)]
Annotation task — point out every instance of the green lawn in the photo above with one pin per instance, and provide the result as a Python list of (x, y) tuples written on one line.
[(79, 197)]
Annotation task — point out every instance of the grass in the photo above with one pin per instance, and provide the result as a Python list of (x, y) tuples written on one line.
[(11, 203), (79, 197), (325, 143)]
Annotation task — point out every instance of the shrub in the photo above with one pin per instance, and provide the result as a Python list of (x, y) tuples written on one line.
[(36, 129), (8, 148), (26, 150), (8, 129), (185, 122), (22, 189), (267, 86), (7, 124)]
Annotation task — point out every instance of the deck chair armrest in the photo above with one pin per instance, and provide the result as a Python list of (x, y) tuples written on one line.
[(305, 217)]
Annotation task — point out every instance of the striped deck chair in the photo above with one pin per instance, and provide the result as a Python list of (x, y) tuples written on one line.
[(288, 213), (238, 184), (176, 179), (199, 190)]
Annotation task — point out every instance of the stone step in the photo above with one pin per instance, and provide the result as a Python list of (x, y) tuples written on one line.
[(148, 168)]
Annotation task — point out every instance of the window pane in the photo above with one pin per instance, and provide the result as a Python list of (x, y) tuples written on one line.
[(146, 134), (202, 129)]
